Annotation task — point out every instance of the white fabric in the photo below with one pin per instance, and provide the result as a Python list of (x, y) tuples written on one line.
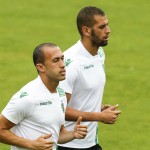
[(85, 80), (36, 111)]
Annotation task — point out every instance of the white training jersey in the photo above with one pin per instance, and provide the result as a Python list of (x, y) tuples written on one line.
[(85, 80), (36, 112)]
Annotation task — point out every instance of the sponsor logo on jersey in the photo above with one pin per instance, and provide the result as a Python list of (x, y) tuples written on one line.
[(23, 94), (88, 66), (46, 103)]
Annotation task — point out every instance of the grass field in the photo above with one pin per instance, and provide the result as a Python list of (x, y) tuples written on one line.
[(25, 24)]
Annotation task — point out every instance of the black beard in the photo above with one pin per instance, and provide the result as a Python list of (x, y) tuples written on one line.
[(96, 41), (99, 43)]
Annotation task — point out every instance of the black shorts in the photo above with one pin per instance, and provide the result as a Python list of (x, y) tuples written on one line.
[(95, 147)]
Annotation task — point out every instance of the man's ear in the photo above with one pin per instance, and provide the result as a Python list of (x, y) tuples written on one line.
[(40, 67), (86, 31)]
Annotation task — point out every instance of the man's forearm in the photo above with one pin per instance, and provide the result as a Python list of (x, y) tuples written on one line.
[(65, 136), (107, 116), (8, 137), (73, 114)]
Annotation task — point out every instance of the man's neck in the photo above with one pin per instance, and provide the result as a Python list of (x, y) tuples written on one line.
[(51, 85), (89, 47)]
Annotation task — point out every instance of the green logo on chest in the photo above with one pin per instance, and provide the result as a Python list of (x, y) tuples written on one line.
[(23, 94), (67, 62)]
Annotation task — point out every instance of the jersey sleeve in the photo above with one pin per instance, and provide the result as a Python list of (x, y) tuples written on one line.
[(17, 109)]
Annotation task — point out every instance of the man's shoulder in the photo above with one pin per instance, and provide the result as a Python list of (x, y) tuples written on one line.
[(72, 50), (71, 54), (28, 90)]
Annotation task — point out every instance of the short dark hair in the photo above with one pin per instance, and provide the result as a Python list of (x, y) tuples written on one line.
[(38, 55), (86, 15)]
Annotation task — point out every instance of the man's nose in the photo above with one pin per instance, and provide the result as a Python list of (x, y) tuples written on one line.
[(62, 63), (108, 29)]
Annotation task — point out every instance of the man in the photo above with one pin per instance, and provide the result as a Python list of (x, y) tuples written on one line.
[(85, 79), (36, 113)]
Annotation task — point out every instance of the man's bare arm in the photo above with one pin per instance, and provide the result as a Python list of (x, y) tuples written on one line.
[(7, 137), (108, 116)]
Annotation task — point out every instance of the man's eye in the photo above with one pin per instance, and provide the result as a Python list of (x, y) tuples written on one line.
[(101, 27), (55, 60)]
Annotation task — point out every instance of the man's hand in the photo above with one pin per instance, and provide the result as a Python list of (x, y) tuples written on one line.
[(80, 131), (43, 143), (105, 106), (110, 114)]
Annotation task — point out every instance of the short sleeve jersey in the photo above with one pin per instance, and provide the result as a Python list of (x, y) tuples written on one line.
[(85, 80), (36, 112)]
